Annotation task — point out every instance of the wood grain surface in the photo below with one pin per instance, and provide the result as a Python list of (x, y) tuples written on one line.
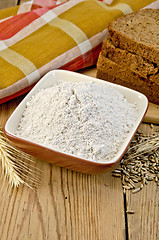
[(67, 205), (74, 206), (144, 223)]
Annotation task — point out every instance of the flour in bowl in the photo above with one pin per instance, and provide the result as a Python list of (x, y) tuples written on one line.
[(86, 119)]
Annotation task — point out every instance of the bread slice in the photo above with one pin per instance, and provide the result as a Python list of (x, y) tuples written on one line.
[(127, 60), (113, 72), (138, 33)]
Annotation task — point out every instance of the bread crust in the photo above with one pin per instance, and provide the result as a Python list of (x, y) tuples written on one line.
[(126, 59), (123, 41), (113, 72)]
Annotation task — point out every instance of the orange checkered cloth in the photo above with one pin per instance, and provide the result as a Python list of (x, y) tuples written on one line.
[(42, 35)]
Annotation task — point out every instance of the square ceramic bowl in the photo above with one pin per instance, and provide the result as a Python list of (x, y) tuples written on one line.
[(63, 159)]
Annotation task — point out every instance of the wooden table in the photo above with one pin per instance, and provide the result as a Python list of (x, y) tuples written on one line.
[(70, 205)]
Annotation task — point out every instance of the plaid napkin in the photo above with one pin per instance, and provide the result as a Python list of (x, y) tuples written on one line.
[(42, 35)]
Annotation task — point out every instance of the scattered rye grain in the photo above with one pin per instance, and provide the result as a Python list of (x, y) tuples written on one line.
[(136, 190), (129, 211), (140, 163)]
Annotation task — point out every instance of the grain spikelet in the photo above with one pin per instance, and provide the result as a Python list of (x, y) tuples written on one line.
[(17, 166)]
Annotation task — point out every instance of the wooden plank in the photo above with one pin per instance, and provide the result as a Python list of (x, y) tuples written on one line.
[(144, 224), (152, 115), (7, 3), (67, 205), (7, 109)]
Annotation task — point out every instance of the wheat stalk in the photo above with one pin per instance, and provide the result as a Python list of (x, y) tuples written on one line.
[(144, 145), (17, 166)]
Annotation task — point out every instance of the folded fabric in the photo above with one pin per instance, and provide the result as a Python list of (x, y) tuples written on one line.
[(40, 36)]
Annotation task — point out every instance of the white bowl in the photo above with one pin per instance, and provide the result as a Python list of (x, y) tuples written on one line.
[(64, 159)]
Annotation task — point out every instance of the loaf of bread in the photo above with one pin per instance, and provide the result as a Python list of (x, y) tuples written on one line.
[(128, 60), (112, 72), (130, 56), (138, 33)]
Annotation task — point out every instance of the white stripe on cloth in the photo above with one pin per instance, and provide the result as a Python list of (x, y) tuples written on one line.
[(60, 1), (48, 16), (108, 1), (25, 7), (154, 5), (2, 20), (123, 7), (22, 63), (74, 32), (33, 77), (72, 54), (2, 45), (38, 23)]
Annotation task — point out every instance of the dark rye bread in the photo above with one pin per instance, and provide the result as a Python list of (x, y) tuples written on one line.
[(113, 72), (126, 59), (138, 33)]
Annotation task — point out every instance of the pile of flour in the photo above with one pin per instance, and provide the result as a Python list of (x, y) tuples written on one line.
[(85, 119)]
